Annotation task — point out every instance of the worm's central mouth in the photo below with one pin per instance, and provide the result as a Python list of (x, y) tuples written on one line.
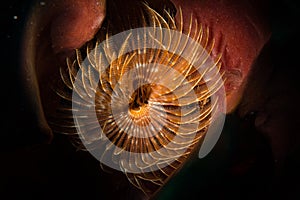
[(140, 98), (138, 105)]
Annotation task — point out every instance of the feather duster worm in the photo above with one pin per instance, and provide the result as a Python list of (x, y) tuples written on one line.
[(142, 101)]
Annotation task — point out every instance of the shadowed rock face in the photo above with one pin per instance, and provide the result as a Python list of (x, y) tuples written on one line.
[(56, 29)]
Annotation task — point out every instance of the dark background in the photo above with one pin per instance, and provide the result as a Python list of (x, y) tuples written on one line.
[(29, 168)]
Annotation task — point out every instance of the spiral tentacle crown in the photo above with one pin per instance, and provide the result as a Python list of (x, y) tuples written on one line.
[(143, 100)]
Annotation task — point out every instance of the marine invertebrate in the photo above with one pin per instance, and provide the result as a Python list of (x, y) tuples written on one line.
[(41, 49), (143, 100)]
